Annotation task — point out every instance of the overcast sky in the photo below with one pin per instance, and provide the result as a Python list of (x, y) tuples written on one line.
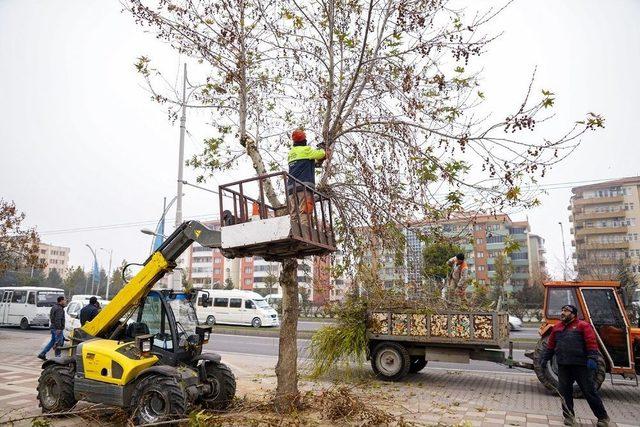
[(88, 157)]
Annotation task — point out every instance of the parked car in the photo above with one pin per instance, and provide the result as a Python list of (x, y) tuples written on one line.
[(72, 311), (235, 307), (515, 324)]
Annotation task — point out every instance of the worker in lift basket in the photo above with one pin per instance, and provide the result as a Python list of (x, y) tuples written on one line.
[(573, 342), (302, 161)]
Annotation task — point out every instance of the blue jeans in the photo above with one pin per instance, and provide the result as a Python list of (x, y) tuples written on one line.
[(57, 339)]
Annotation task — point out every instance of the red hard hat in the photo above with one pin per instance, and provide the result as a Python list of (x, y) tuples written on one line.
[(298, 135)]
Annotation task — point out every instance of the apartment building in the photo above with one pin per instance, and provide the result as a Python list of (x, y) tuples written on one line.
[(537, 261), (605, 229), (54, 258), (483, 238)]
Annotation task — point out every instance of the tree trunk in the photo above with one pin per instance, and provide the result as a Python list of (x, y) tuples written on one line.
[(287, 394)]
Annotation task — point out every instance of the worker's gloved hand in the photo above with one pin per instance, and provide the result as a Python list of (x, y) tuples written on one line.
[(592, 364)]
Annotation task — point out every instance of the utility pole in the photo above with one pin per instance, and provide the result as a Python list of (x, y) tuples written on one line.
[(93, 272), (177, 275), (109, 273), (564, 254)]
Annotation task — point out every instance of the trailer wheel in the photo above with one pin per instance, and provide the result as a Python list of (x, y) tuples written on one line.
[(417, 364), (549, 376), (390, 361)]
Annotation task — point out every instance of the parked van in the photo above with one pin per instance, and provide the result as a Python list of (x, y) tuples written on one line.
[(235, 307), (27, 306)]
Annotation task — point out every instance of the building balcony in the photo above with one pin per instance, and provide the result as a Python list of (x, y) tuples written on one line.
[(599, 215), (601, 230), (594, 262), (597, 200), (597, 246)]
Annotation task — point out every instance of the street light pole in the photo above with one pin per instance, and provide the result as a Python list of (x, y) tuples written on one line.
[(177, 275), (95, 263), (564, 253), (109, 273)]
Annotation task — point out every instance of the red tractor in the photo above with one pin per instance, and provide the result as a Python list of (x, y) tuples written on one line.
[(601, 304)]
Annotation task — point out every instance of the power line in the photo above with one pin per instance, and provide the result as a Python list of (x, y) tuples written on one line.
[(549, 186)]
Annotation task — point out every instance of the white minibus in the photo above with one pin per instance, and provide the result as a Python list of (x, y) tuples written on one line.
[(26, 306), (235, 307)]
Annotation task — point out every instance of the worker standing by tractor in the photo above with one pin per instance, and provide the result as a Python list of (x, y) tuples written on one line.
[(458, 277), (56, 325), (302, 161), (573, 342)]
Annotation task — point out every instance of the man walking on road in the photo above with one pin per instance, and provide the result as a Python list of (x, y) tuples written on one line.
[(89, 311), (574, 344), (56, 324)]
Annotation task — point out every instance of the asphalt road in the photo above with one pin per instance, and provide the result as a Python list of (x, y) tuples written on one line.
[(31, 341)]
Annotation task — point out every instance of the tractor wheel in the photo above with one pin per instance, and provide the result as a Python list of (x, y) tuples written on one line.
[(24, 324), (158, 398), (549, 376), (417, 364), (223, 387), (55, 389), (390, 361)]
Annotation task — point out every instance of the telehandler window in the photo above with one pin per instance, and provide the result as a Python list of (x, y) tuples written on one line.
[(155, 317)]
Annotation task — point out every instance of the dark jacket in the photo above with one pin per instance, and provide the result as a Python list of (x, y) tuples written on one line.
[(56, 317), (302, 160), (572, 343), (87, 313)]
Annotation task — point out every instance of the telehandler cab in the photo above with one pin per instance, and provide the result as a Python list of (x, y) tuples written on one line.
[(150, 364)]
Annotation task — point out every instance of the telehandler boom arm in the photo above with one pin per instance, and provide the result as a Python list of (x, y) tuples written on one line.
[(154, 268)]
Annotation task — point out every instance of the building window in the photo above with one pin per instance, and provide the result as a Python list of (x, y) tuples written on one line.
[(248, 259), (479, 241), (217, 260), (247, 282), (479, 254), (495, 239), (217, 271), (480, 267), (247, 270)]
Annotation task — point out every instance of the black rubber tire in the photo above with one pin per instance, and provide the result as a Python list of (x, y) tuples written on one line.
[(548, 376), (24, 324), (256, 322), (165, 393), (395, 354), (224, 387), (55, 389), (211, 320), (417, 364)]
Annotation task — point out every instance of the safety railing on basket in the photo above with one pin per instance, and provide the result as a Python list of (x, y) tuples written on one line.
[(309, 210)]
